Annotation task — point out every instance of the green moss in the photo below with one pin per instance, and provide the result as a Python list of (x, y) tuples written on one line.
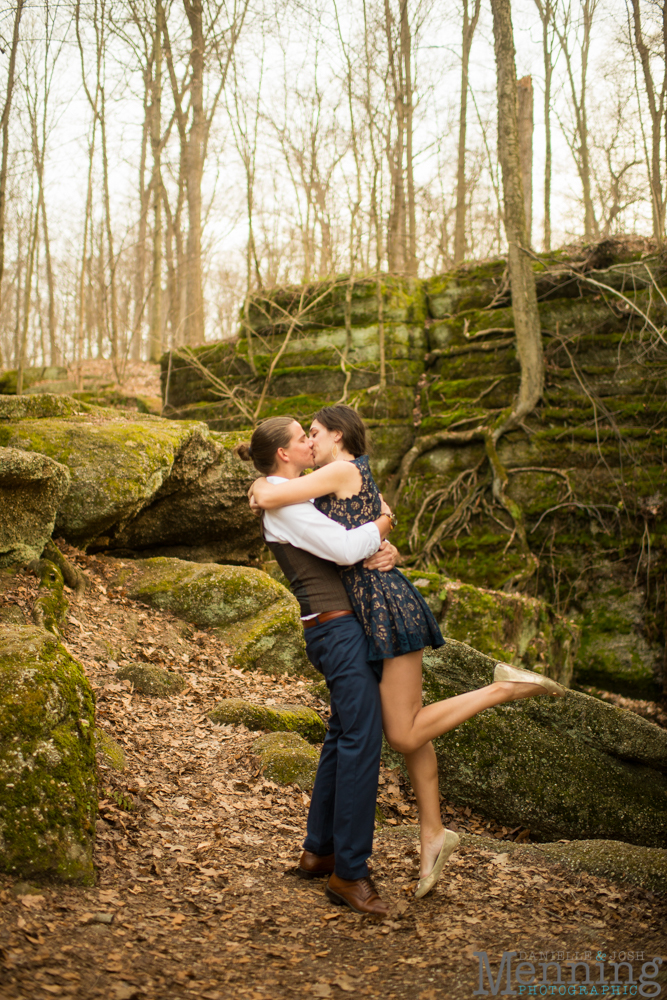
[(276, 718), (47, 759), (150, 680), (287, 759), (271, 641), (51, 605), (111, 751), (202, 593)]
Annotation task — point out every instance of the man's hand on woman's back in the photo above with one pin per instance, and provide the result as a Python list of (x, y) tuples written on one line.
[(384, 559)]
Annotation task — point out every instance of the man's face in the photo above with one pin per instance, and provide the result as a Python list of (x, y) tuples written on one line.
[(299, 450)]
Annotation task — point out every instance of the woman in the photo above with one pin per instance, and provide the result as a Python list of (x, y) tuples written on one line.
[(398, 625)]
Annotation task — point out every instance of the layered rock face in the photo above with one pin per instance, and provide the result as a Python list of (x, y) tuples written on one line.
[(137, 483), (587, 467)]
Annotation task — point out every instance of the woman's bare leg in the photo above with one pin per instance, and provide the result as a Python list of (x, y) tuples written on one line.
[(408, 725), (422, 767)]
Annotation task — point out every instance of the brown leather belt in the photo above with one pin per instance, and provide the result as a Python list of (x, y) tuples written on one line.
[(327, 616)]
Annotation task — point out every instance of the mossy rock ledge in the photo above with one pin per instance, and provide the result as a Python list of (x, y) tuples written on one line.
[(137, 482), (48, 794), (276, 718), (32, 486), (572, 767), (287, 759), (254, 614)]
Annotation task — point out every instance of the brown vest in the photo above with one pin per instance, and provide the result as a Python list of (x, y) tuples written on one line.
[(315, 582)]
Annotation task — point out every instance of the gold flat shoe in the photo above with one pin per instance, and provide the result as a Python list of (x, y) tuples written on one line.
[(505, 672), (449, 845)]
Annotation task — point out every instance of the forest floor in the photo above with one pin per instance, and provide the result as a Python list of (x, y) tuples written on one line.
[(196, 893)]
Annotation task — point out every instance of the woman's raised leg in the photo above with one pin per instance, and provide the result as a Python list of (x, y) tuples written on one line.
[(408, 725)]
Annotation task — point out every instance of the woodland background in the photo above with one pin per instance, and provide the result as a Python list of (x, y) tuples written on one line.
[(162, 161)]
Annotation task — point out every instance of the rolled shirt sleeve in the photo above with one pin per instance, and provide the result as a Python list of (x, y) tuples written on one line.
[(305, 527)]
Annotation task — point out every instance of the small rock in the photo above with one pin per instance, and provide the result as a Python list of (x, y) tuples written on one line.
[(151, 680), (276, 718), (287, 759), (25, 889), (111, 750)]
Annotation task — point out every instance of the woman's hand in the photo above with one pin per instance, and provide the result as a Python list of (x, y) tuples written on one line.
[(260, 490), (255, 508)]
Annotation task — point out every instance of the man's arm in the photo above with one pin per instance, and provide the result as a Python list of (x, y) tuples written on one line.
[(305, 527)]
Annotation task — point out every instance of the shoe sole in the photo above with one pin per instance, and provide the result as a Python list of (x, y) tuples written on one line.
[(337, 900), (302, 873)]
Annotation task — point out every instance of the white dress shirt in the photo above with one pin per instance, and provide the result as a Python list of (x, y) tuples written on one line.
[(306, 527)]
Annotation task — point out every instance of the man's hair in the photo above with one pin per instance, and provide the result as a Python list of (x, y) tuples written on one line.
[(346, 420), (263, 446)]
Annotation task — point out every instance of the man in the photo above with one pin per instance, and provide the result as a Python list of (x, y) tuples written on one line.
[(307, 545)]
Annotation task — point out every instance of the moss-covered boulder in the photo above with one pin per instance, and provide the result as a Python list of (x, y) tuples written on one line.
[(48, 799), (32, 487), (150, 680), (253, 613), (575, 767), (138, 482), (514, 628), (276, 718), (612, 859), (287, 759)]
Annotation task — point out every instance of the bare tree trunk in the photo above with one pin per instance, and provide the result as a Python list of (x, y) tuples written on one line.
[(546, 11), (194, 171), (580, 145), (525, 123), (656, 105), (522, 279), (140, 254), (469, 25), (406, 53), (4, 130), (32, 243), (156, 185)]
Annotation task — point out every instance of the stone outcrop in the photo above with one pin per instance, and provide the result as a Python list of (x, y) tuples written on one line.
[(251, 612), (586, 467), (574, 767), (48, 795), (275, 718), (287, 759), (32, 487), (510, 627), (138, 483)]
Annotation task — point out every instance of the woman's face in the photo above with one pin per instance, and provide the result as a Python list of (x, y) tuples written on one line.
[(322, 442)]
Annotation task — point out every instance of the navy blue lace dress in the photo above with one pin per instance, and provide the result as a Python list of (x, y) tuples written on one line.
[(395, 616)]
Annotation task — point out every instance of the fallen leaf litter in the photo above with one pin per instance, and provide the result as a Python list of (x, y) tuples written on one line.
[(195, 852)]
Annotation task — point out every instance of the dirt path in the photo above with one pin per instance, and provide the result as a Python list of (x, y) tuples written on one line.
[(196, 893)]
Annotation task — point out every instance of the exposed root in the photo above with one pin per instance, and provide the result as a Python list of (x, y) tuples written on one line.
[(74, 577)]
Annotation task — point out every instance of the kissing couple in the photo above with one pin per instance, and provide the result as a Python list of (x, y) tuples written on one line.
[(366, 627)]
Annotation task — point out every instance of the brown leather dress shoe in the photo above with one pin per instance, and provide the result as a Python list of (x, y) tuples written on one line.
[(313, 866), (359, 894)]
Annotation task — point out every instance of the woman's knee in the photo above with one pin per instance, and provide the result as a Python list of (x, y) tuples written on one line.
[(401, 742)]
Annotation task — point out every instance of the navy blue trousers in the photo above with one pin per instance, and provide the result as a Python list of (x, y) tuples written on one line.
[(341, 819)]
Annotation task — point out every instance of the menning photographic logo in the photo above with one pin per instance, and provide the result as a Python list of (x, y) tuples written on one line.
[(559, 975)]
